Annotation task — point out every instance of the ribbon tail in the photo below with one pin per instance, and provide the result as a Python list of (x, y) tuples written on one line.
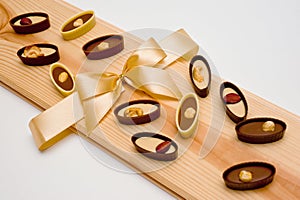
[(153, 81), (96, 108), (52, 125)]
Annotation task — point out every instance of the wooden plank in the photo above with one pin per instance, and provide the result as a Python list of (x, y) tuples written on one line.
[(189, 176)]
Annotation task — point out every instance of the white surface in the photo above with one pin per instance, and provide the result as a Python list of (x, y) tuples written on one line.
[(254, 44)]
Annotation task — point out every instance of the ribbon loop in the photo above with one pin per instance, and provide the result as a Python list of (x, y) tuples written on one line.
[(97, 92)]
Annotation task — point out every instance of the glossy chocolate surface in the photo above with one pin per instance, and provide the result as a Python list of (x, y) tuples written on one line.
[(70, 26), (152, 114), (251, 130), (42, 60), (115, 45), (235, 108), (28, 28), (202, 89), (67, 84), (184, 122), (154, 140), (262, 174)]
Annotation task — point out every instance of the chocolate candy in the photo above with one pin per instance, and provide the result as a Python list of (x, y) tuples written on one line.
[(39, 54), (187, 115), (62, 78), (155, 146), (200, 75), (103, 47), (78, 25), (32, 22), (249, 175), (137, 112), (253, 130), (234, 102)]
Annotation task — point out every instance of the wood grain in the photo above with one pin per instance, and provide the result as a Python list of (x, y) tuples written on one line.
[(189, 176)]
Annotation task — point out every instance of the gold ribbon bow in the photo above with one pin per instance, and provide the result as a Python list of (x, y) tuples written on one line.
[(97, 93)]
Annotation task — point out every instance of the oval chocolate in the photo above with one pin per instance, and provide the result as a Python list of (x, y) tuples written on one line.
[(39, 54), (187, 115), (234, 102), (30, 22), (200, 75), (147, 143), (137, 112), (62, 78), (78, 25), (103, 47), (261, 175), (252, 130)]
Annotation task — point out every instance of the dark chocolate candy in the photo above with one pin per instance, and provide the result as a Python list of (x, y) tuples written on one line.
[(41, 60), (229, 102), (115, 42), (251, 130), (162, 156), (262, 174), (143, 118), (30, 27), (202, 92)]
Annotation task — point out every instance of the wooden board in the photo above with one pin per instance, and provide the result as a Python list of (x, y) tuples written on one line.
[(189, 176)]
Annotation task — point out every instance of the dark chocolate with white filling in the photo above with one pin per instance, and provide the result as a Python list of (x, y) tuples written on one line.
[(137, 112), (39, 54), (200, 75), (249, 175), (103, 47), (260, 130), (146, 143), (234, 102), (32, 22)]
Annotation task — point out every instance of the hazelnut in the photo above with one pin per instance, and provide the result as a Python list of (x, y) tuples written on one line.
[(25, 21), (103, 45), (197, 74), (63, 77), (190, 113), (32, 52), (245, 176), (268, 126), (133, 112), (78, 22)]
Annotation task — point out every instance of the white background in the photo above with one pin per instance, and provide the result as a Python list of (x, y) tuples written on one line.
[(254, 44)]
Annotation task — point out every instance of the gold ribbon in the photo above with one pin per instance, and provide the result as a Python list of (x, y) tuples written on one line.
[(97, 93)]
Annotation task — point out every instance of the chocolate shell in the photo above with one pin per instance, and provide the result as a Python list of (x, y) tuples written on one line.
[(146, 143), (78, 25), (251, 130), (103, 47), (50, 51), (262, 174), (187, 115), (201, 78), (142, 111), (65, 86), (236, 108), (38, 21)]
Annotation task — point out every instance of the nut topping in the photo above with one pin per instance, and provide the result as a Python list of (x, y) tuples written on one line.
[(78, 22), (63, 77), (268, 126), (32, 52), (103, 45), (232, 98), (133, 112), (190, 113), (163, 147), (197, 74), (25, 21), (245, 176)]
